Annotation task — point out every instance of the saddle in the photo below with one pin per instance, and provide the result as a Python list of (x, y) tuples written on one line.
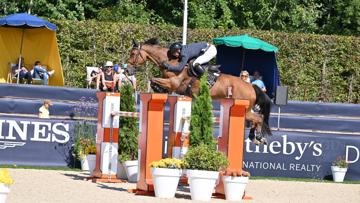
[(198, 70)]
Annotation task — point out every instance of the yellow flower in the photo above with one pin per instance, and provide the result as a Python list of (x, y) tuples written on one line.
[(167, 163), (5, 177)]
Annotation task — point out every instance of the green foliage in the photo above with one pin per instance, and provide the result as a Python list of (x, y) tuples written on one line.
[(84, 139), (311, 16), (204, 157), (128, 136), (127, 11), (201, 125)]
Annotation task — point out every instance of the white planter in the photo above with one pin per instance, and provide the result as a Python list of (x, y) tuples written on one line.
[(88, 163), (4, 191), (131, 168), (120, 172), (234, 187), (165, 181), (338, 173), (202, 184)]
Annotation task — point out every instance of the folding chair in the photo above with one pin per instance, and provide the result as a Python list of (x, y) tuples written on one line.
[(89, 70)]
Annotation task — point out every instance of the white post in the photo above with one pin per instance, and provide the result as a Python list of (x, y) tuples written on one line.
[(185, 22), (278, 120)]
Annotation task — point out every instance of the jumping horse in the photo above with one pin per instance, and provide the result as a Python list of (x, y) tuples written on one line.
[(182, 83)]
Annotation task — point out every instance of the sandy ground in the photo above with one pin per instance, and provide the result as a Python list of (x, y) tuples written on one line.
[(69, 186)]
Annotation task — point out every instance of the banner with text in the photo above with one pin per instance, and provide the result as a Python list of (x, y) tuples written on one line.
[(36, 142), (302, 155)]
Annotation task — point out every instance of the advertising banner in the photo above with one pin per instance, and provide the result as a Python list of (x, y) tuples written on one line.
[(302, 155), (48, 142), (36, 142)]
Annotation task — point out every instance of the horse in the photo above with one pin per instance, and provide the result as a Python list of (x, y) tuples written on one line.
[(182, 83)]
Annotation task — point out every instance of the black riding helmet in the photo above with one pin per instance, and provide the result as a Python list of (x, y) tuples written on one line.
[(175, 46)]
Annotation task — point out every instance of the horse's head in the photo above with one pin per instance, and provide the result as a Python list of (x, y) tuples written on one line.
[(148, 50), (138, 56)]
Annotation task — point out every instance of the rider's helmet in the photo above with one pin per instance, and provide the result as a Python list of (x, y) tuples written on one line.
[(175, 46)]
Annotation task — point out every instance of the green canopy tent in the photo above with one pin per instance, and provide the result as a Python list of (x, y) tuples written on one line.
[(243, 52)]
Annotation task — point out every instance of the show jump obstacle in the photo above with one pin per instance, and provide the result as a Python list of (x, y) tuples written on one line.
[(107, 138), (230, 142)]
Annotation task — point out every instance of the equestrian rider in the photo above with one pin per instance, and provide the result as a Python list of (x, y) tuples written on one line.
[(202, 51)]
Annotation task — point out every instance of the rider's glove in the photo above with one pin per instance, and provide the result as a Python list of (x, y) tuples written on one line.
[(164, 65)]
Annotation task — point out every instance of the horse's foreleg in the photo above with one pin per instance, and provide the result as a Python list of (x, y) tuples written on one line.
[(162, 82)]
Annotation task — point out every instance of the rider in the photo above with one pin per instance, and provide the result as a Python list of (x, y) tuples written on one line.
[(202, 51)]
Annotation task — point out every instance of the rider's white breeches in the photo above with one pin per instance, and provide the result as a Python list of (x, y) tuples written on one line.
[(209, 54)]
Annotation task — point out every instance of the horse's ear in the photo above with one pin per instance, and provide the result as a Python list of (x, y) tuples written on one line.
[(135, 43)]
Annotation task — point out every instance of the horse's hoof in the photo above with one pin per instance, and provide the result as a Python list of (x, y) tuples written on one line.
[(263, 141), (255, 141)]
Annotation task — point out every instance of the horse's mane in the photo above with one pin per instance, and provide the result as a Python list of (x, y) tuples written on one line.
[(152, 41)]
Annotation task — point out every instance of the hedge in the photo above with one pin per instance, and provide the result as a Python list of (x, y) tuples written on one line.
[(315, 67)]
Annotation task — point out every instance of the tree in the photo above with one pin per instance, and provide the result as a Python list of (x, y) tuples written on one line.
[(340, 17), (201, 125), (128, 11), (128, 136)]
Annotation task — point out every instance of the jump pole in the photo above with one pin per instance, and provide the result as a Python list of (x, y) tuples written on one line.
[(107, 138)]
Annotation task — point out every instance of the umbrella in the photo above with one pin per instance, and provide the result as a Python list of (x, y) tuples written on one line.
[(25, 21), (236, 53)]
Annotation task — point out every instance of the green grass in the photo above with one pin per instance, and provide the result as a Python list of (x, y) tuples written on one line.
[(302, 179), (41, 167)]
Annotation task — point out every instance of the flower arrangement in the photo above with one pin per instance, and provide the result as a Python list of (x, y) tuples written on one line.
[(5, 177), (168, 163), (340, 162), (84, 142)]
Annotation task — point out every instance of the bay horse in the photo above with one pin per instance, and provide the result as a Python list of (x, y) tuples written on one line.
[(181, 82)]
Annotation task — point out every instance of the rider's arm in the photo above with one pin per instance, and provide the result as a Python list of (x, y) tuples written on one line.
[(178, 67)]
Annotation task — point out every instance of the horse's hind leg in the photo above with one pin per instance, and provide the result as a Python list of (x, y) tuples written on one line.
[(255, 132)]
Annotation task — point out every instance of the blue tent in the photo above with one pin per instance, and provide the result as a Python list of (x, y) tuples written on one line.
[(30, 37), (237, 53), (24, 20)]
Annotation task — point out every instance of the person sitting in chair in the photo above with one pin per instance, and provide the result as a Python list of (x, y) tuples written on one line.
[(40, 72), (106, 80), (23, 72), (127, 77), (244, 75), (202, 52), (257, 81)]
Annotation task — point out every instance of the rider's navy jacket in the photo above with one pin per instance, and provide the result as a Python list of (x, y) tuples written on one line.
[(187, 53)]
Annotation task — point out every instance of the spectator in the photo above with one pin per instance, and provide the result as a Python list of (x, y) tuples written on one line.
[(257, 81), (106, 80), (244, 75), (94, 75), (23, 73), (126, 76), (44, 109), (42, 73)]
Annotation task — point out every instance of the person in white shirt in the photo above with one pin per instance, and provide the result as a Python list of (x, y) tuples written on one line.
[(44, 109)]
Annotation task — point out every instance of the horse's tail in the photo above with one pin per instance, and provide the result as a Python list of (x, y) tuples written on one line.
[(264, 102)]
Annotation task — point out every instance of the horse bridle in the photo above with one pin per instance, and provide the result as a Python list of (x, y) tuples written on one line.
[(138, 48)]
